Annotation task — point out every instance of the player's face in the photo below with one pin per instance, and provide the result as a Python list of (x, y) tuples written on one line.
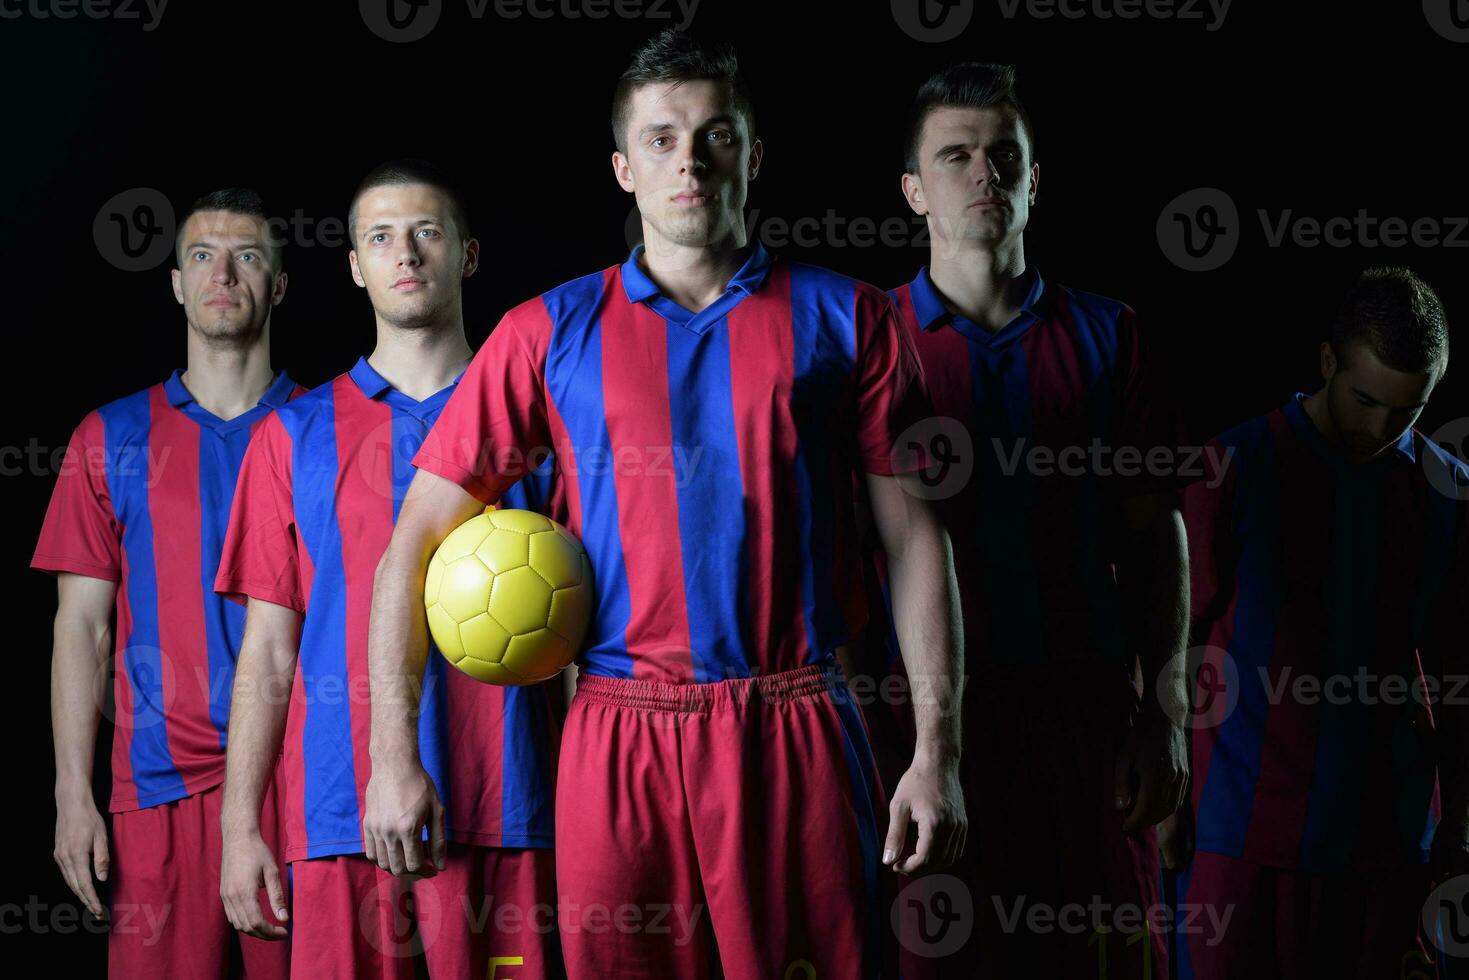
[(1370, 404), (224, 280), (408, 255), (689, 161), (975, 181)]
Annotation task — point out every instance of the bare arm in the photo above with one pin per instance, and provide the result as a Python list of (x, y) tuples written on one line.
[(1153, 581), (81, 644), (401, 799), (931, 638), (259, 703)]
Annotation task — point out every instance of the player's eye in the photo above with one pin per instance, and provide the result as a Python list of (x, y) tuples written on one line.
[(249, 256), (658, 141), (377, 238), (958, 157), (201, 256), (429, 232), (721, 136)]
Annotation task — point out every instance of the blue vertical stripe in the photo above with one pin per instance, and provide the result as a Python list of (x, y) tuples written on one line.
[(706, 465), (1229, 789), (573, 375), (221, 454)]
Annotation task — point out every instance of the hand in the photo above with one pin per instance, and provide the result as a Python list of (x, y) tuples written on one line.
[(247, 865), (1154, 757), (1449, 856), (81, 848), (1176, 838), (401, 801), (930, 796)]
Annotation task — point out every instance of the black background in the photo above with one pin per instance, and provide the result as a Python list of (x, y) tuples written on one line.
[(1320, 111)]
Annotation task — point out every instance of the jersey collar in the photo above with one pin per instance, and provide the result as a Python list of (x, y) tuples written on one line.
[(180, 397), (1295, 414), (375, 386), (640, 288), (929, 307)]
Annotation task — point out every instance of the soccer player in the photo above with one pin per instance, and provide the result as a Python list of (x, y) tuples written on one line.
[(707, 404), (136, 521), (1069, 554), (321, 485), (1329, 552)]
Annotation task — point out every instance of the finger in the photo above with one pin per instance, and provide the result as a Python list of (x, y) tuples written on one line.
[(63, 861), (922, 851), (275, 893), (1122, 781), (898, 814), (438, 845), (88, 893), (1147, 807), (397, 862), (369, 841), (101, 856), (412, 851)]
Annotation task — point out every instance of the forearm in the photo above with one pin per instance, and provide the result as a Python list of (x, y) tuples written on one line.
[(1154, 588), (259, 705), (397, 649), (78, 656), (931, 638)]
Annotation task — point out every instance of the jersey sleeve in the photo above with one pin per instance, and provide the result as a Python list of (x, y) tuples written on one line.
[(890, 395), (260, 557), (1148, 418), (495, 425), (81, 532), (1213, 552)]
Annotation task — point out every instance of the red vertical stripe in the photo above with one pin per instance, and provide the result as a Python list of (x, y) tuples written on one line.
[(639, 429), (364, 509), (762, 380)]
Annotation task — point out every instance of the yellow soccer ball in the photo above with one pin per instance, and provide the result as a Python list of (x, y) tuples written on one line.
[(509, 597)]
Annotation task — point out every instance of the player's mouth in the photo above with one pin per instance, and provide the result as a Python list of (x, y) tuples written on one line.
[(985, 203), (692, 199), (410, 284), (221, 301)]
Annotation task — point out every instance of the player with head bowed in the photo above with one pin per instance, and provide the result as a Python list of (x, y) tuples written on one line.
[(1330, 566), (322, 483), (708, 404)]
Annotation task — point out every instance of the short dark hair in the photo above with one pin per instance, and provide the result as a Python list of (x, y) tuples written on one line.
[(1397, 316), (968, 84), (235, 200), (677, 56), (410, 170)]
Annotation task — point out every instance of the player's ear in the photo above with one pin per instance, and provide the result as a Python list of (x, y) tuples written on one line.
[(1035, 180), (176, 276), (1328, 361), (471, 256), (279, 292), (356, 272), (912, 186), (622, 171), (757, 154)]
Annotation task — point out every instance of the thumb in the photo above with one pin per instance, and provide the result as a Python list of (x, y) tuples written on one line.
[(898, 814), (275, 892)]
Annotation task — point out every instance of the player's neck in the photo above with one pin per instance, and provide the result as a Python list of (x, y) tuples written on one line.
[(980, 284), (420, 361), (693, 276), (228, 380)]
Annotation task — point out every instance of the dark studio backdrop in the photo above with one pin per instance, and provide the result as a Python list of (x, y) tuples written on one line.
[(1295, 116)]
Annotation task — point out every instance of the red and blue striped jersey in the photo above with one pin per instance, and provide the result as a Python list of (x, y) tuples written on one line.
[(1060, 409), (1333, 592), (319, 492), (707, 457), (142, 499)]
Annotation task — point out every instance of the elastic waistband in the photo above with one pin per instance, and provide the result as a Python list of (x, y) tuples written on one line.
[(785, 685)]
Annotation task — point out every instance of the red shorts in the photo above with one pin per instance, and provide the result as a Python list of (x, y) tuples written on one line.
[(734, 825), (167, 917), (1239, 919), (491, 913), (1049, 884)]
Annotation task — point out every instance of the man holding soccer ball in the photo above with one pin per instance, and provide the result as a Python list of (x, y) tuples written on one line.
[(707, 406)]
